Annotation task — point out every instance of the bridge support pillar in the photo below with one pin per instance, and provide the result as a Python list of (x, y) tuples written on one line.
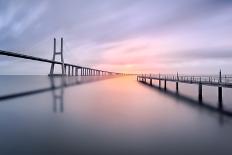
[(81, 71), (151, 81), (159, 83), (65, 69), (76, 71), (54, 57), (220, 105), (72, 70), (69, 71), (200, 92)]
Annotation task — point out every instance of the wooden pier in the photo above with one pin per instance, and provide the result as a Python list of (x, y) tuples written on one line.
[(219, 81)]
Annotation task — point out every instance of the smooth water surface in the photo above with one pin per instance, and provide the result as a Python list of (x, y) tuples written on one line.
[(109, 115)]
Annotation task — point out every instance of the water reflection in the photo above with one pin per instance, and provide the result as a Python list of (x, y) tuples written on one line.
[(58, 95), (109, 116), (194, 102), (57, 88)]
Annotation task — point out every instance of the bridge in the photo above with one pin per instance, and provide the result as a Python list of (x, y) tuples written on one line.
[(67, 69), (219, 81)]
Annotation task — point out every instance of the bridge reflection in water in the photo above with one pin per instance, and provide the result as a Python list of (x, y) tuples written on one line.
[(57, 88), (106, 116)]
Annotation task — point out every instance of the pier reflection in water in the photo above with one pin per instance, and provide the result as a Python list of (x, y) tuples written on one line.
[(120, 115)]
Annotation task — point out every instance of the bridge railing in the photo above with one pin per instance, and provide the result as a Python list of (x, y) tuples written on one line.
[(210, 79)]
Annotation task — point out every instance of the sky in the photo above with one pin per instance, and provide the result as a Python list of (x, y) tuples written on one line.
[(133, 36)]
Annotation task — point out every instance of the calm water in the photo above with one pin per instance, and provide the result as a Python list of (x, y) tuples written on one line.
[(114, 115)]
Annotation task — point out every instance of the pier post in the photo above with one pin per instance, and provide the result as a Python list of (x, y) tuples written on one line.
[(165, 84), (150, 81), (220, 105), (220, 76), (177, 87), (200, 92)]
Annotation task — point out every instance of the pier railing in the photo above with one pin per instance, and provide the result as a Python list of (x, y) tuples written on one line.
[(219, 81), (213, 80)]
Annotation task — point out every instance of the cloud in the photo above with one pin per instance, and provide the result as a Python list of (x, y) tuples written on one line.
[(120, 32)]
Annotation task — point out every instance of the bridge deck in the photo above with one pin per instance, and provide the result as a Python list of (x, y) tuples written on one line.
[(23, 56)]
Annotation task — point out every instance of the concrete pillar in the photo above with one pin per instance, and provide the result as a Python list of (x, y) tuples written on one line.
[(69, 71), (200, 92), (220, 105), (76, 71), (151, 81), (72, 70), (65, 69), (159, 83)]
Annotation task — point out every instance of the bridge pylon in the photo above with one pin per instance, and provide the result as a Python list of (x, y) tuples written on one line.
[(55, 53)]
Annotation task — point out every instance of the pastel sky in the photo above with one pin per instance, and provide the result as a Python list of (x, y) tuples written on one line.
[(136, 36)]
